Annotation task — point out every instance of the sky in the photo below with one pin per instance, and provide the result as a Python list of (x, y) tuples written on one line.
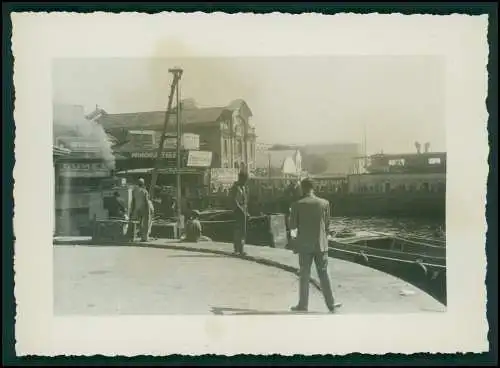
[(395, 100)]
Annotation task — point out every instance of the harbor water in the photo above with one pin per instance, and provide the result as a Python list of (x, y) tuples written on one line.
[(396, 226)]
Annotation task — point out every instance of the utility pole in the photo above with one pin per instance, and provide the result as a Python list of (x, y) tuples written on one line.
[(231, 142), (178, 149), (177, 72), (364, 148), (245, 132)]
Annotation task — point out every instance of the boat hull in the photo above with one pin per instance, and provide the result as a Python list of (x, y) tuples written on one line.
[(411, 260), (423, 267)]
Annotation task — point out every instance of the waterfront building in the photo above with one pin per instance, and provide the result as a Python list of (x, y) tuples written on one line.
[(225, 131), (326, 184), (278, 163), (83, 159), (138, 158), (406, 172)]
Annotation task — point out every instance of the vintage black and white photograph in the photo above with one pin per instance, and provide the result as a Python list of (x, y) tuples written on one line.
[(351, 178), (305, 185)]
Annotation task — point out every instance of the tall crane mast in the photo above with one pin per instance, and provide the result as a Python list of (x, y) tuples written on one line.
[(177, 74)]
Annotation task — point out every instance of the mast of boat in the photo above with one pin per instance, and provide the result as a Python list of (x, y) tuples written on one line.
[(364, 162)]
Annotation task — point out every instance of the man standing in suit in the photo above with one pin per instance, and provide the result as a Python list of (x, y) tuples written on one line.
[(310, 218), (240, 212)]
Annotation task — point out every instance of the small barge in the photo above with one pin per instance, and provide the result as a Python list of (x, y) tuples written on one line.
[(419, 261)]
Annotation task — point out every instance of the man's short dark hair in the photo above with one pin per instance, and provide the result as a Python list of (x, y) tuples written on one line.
[(242, 177), (307, 185), (116, 194)]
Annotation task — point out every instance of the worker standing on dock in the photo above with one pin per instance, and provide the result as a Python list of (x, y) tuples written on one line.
[(310, 218), (141, 208), (292, 195), (240, 212)]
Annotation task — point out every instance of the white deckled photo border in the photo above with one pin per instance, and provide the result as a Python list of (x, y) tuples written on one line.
[(38, 38)]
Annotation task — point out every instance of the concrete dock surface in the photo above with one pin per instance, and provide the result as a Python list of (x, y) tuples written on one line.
[(169, 277)]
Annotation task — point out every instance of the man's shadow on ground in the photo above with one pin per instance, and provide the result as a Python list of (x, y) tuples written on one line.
[(225, 311)]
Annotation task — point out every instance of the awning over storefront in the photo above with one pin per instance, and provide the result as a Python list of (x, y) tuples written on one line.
[(164, 171)]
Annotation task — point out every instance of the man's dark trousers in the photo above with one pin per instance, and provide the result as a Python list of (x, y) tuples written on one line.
[(321, 262), (240, 231)]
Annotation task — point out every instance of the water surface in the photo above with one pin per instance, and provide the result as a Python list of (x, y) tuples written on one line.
[(397, 226)]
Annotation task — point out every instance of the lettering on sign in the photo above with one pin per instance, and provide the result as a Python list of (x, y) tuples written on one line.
[(224, 176), (153, 154), (199, 159), (78, 144), (173, 170), (83, 170), (83, 167)]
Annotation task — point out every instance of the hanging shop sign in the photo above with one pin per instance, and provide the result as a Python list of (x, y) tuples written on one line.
[(199, 159)]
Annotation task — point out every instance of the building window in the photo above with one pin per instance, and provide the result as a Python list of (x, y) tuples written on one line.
[(238, 146), (434, 161), (400, 162), (226, 150)]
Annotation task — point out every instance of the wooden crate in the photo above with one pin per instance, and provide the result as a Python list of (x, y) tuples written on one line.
[(114, 230)]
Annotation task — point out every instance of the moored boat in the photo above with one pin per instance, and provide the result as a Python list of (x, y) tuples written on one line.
[(416, 260), (420, 262)]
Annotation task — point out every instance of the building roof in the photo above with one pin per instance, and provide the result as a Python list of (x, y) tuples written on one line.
[(59, 151), (238, 104), (95, 114), (156, 119), (275, 159)]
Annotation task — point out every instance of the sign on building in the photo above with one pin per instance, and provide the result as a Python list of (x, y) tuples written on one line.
[(182, 170), (83, 170), (222, 179), (142, 138), (189, 141), (199, 159), (78, 144), (153, 154), (224, 176)]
